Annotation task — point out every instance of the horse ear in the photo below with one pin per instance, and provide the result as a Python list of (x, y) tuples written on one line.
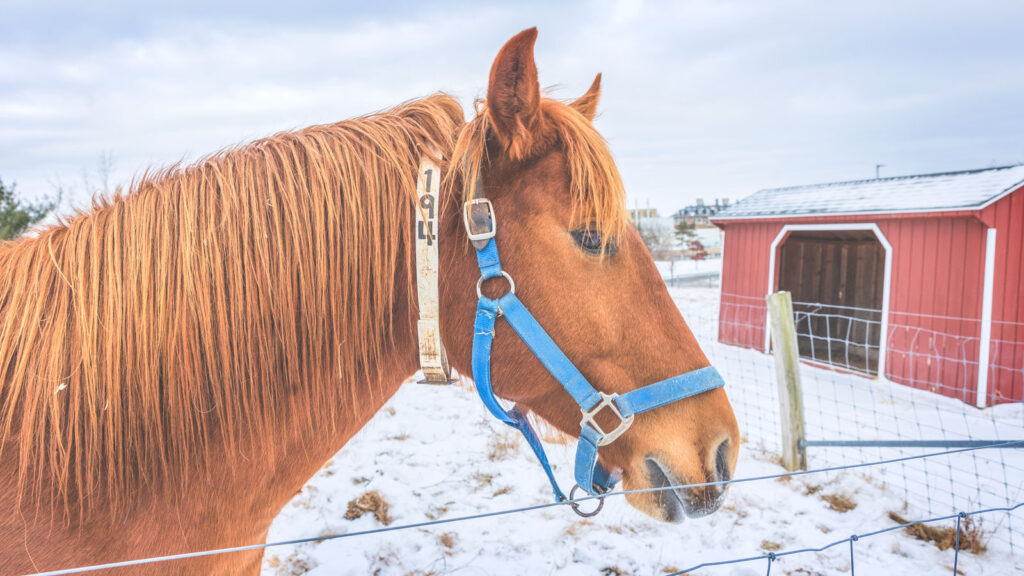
[(587, 104), (513, 95)]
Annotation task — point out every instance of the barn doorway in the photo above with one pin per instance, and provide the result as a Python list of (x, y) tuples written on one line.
[(836, 278)]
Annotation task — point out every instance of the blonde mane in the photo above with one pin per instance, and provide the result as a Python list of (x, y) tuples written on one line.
[(134, 335)]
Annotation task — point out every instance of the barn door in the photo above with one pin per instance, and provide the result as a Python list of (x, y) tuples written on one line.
[(836, 279)]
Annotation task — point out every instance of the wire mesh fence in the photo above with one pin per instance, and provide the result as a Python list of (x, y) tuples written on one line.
[(923, 394), (840, 402)]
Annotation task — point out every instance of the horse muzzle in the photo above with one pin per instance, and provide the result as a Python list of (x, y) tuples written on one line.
[(674, 500)]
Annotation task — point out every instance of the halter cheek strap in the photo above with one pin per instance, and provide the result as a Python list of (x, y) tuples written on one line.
[(590, 475)]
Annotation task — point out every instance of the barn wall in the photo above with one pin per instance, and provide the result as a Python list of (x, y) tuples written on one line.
[(935, 303), (935, 296), (743, 310), (1006, 374)]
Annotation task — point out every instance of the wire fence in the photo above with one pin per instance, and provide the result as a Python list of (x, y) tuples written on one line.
[(772, 557), (923, 395), (575, 502), (843, 398)]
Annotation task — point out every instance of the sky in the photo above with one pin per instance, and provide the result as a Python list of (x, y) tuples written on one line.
[(701, 99)]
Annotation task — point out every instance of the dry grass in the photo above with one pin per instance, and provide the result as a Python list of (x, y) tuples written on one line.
[(730, 506), (623, 529), (770, 545), (839, 502), (613, 571), (448, 540), (293, 565), (807, 571), (945, 537), (502, 491), (369, 502), (573, 529), (438, 510), (812, 489), (482, 479), (502, 447)]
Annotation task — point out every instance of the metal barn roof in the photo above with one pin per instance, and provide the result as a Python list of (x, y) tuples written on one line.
[(949, 191)]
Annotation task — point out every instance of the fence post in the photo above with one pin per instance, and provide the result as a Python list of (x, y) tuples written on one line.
[(787, 374)]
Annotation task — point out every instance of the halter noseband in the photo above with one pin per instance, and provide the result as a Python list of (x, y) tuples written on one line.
[(590, 475)]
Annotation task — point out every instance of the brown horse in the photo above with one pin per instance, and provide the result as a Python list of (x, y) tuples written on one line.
[(182, 358)]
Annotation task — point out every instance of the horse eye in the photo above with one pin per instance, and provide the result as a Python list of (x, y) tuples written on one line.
[(590, 241)]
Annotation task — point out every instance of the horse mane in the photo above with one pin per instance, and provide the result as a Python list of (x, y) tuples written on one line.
[(135, 334), (595, 186)]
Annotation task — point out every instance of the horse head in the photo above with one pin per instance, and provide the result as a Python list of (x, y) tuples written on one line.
[(586, 276)]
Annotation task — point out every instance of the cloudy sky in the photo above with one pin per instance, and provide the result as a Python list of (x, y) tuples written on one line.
[(701, 99)]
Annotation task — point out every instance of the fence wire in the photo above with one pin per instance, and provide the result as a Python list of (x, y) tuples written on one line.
[(772, 557), (921, 396), (844, 399), (519, 510)]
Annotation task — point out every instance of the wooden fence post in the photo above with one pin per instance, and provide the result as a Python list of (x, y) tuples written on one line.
[(787, 374)]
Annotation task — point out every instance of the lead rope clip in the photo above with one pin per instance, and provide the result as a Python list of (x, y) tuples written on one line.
[(576, 507)]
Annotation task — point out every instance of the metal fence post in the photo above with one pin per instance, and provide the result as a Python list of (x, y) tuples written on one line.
[(787, 374)]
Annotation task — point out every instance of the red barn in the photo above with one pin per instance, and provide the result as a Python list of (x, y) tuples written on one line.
[(917, 278)]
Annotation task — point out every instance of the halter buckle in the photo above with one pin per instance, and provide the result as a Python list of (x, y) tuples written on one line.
[(607, 401), (476, 214)]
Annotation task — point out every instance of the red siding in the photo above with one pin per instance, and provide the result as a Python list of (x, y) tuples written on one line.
[(1006, 373), (935, 303), (743, 310), (936, 291)]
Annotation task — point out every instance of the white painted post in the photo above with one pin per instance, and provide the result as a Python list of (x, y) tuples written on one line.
[(984, 350), (787, 375)]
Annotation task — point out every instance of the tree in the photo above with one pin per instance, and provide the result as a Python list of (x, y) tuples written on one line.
[(697, 251), (685, 231), (16, 215), (656, 237)]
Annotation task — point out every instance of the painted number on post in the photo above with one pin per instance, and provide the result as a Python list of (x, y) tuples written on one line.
[(427, 203)]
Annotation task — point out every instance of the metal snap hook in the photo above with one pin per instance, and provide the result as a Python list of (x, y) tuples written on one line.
[(576, 507)]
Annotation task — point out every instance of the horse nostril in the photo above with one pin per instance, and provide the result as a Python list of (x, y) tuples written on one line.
[(722, 461)]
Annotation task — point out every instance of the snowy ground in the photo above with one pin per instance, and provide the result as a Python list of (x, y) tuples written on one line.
[(433, 452), (685, 267), (842, 406)]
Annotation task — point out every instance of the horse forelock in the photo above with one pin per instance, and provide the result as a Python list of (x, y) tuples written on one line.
[(596, 189), (186, 309)]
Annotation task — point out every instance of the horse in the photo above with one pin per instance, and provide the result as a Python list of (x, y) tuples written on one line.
[(183, 356)]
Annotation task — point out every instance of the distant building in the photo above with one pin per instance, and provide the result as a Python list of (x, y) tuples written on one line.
[(637, 215), (700, 214), (659, 232), (924, 271), (710, 238)]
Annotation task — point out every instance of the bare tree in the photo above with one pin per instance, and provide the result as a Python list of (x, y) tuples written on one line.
[(657, 237)]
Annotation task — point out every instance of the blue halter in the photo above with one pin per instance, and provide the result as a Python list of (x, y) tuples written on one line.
[(590, 475)]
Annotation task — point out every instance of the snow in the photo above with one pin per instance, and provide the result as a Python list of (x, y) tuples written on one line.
[(669, 269), (967, 190), (434, 452)]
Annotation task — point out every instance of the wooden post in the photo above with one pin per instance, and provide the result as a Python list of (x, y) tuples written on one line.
[(787, 374)]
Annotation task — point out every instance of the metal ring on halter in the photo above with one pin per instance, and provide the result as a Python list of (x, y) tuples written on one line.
[(480, 284), (576, 507)]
